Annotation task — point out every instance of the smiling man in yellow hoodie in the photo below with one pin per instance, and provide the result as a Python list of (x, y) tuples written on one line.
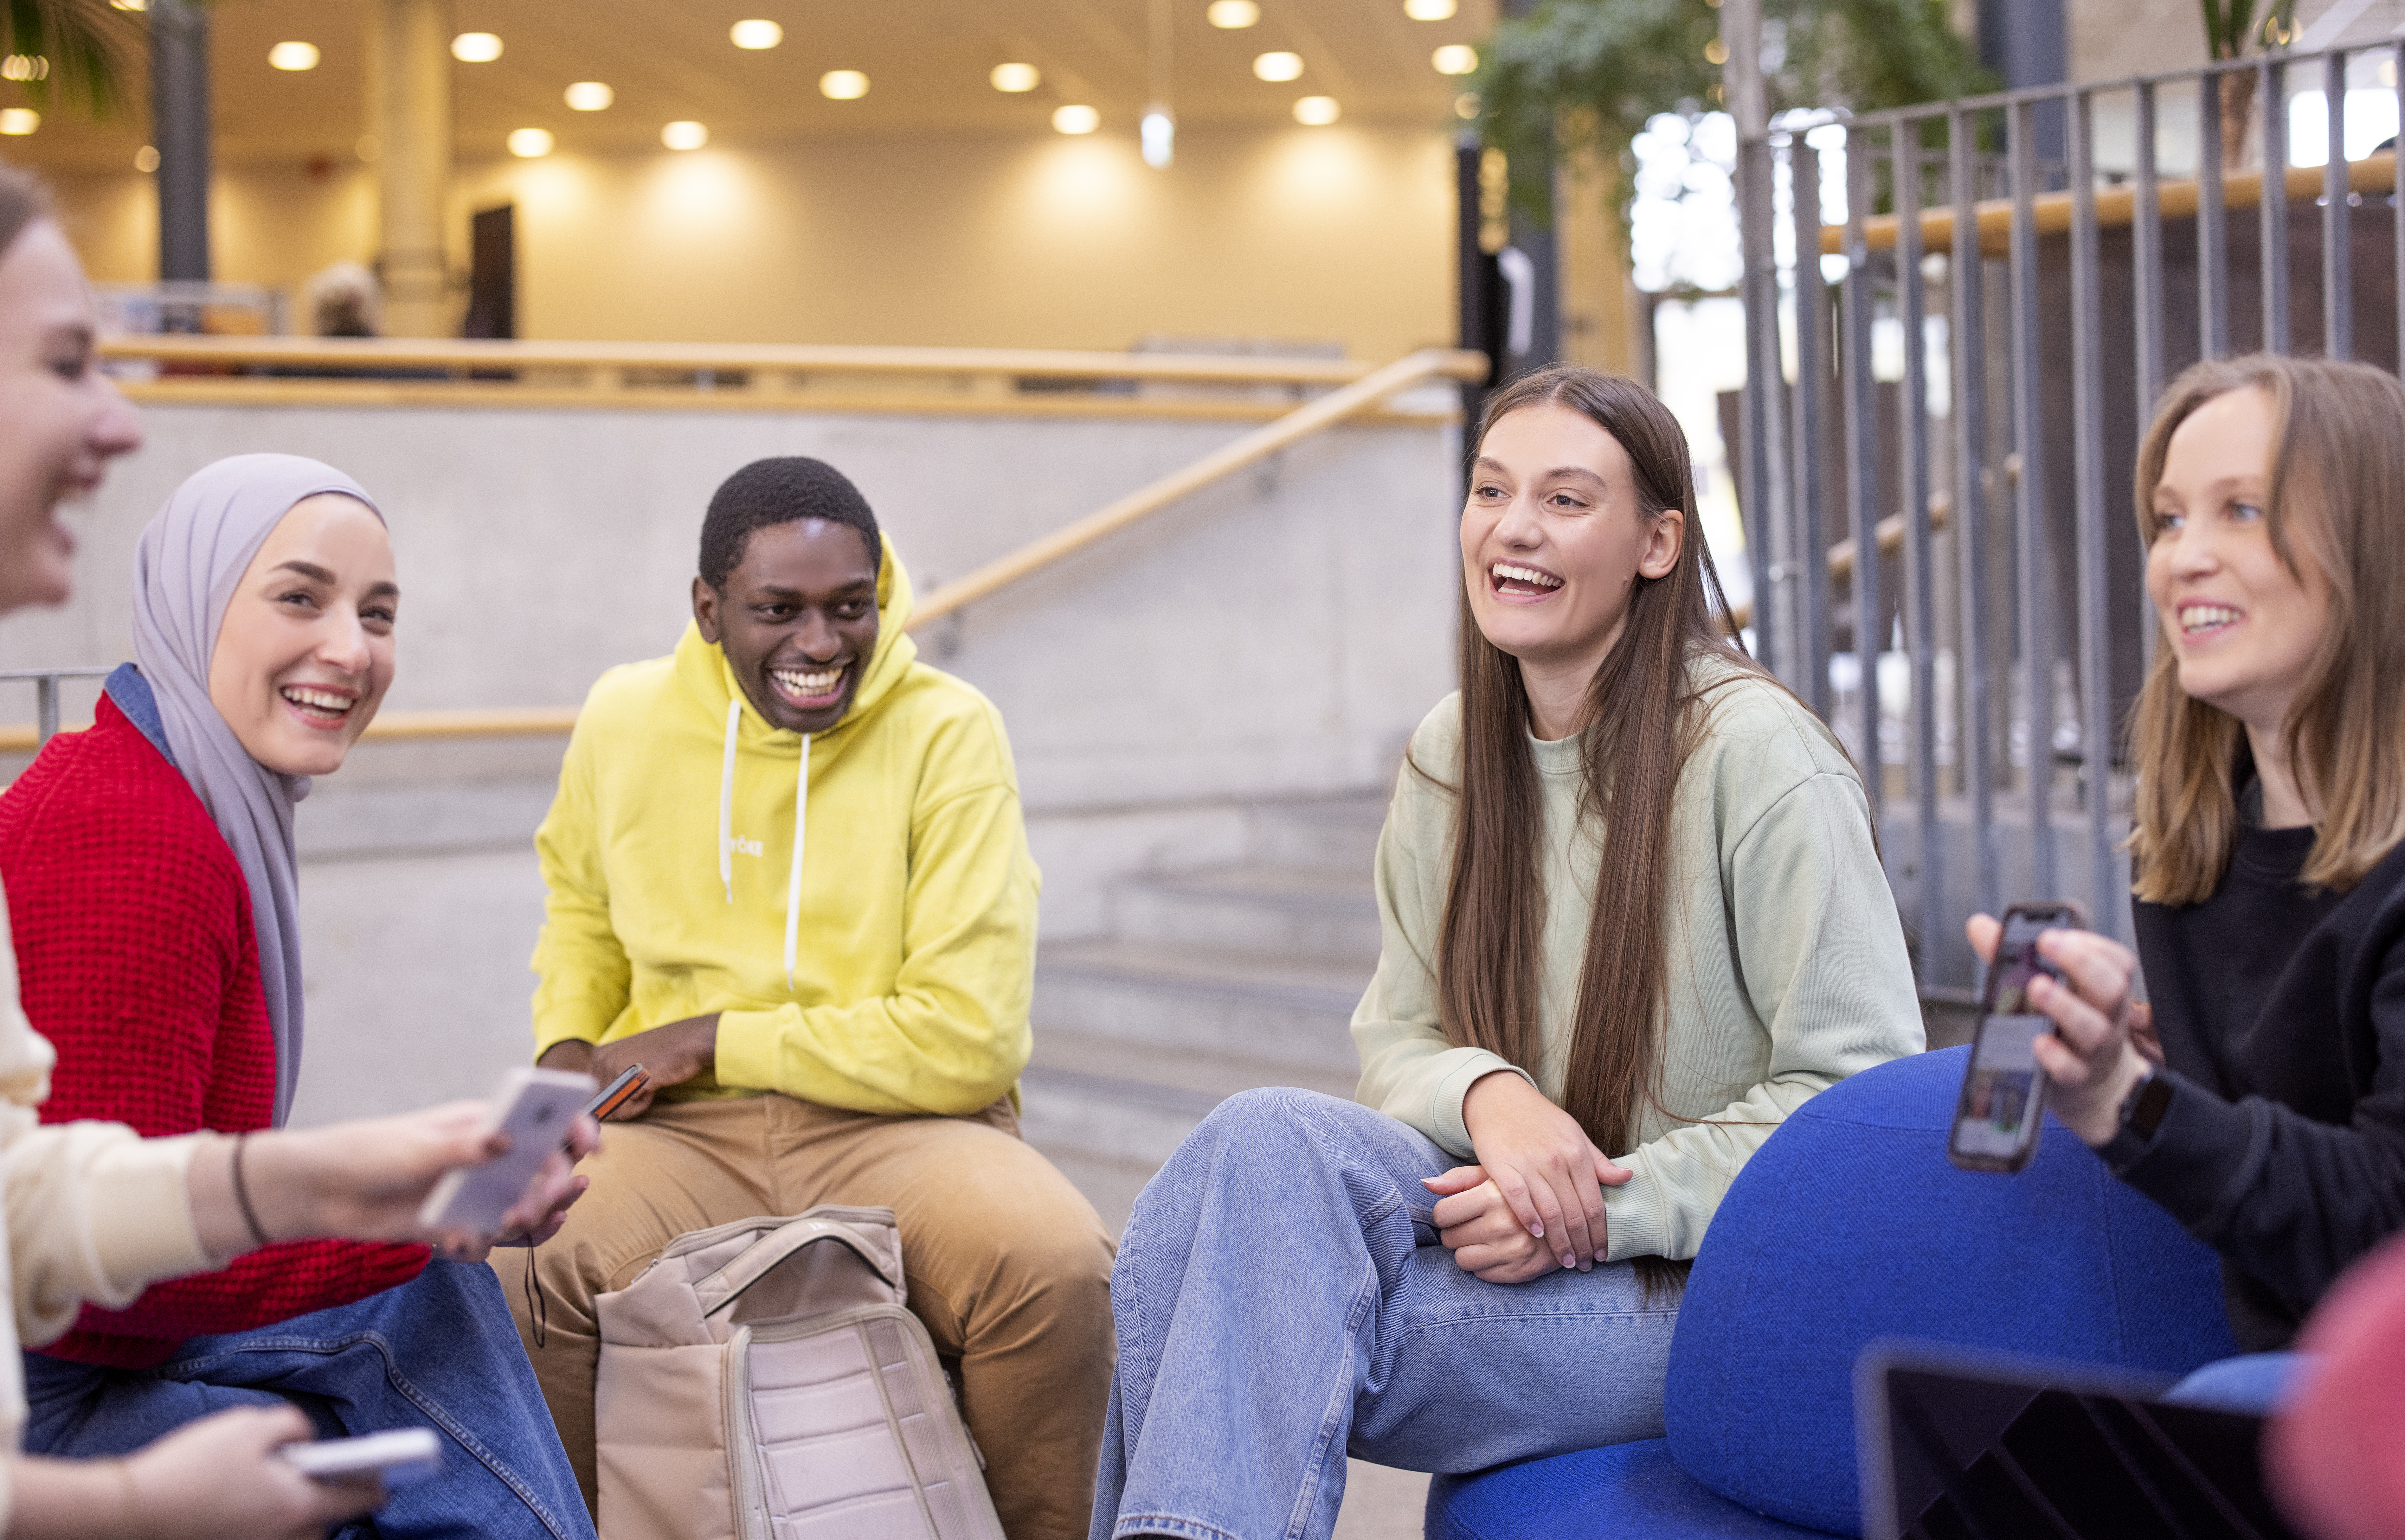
[(788, 876)]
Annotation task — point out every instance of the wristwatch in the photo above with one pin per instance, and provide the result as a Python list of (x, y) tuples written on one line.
[(2142, 1109)]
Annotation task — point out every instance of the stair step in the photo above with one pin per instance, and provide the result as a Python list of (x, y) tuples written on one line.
[(1282, 910), (1337, 833), (1234, 1004), (1129, 1102)]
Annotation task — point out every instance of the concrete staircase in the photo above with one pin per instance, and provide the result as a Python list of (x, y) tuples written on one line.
[(1209, 981)]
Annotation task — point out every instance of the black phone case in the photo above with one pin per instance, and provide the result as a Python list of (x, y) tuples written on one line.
[(2018, 1161)]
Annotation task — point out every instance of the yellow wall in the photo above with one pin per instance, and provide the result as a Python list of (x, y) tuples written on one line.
[(1342, 234)]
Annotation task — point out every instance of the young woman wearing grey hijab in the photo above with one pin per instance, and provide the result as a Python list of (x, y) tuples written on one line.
[(265, 607), (92, 1212)]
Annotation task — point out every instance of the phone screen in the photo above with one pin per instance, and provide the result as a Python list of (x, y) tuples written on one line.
[(2002, 1097)]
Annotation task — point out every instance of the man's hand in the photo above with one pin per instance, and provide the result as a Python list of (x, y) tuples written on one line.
[(1543, 1164), (2089, 1056), (669, 1054)]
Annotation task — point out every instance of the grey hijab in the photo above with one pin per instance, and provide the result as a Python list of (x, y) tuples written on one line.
[(185, 567)]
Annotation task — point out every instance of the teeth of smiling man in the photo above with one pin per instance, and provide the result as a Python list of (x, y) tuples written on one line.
[(317, 700), (818, 684), (1524, 574), (2206, 617)]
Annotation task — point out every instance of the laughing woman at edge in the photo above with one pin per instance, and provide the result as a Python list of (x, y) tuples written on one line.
[(1632, 917)]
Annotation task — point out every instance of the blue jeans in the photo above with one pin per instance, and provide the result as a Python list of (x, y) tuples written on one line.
[(437, 1351), (1282, 1299)]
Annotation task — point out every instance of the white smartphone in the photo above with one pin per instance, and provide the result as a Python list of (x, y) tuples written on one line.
[(399, 1457), (536, 1107)]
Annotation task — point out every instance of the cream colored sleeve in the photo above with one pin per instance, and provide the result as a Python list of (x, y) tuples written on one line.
[(1410, 1069)]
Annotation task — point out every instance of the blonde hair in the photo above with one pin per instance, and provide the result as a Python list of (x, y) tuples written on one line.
[(2336, 500)]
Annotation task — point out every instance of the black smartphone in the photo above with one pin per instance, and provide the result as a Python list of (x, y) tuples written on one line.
[(2002, 1105)]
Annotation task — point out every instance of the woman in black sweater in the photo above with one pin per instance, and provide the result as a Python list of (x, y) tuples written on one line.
[(2262, 1101)]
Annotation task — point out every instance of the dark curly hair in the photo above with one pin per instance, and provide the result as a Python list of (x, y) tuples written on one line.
[(784, 489)]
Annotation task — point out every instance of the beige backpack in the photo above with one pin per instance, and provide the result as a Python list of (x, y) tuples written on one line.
[(763, 1381)]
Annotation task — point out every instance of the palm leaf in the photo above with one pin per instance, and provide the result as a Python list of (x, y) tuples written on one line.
[(91, 47)]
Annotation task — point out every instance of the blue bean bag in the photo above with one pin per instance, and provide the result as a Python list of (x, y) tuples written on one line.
[(1849, 1227)]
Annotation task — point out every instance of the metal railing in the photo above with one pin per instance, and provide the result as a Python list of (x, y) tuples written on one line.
[(2005, 502)]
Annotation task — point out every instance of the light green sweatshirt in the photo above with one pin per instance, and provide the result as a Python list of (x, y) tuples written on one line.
[(1787, 963)]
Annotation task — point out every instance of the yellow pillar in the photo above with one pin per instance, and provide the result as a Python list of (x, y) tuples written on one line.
[(1598, 306), (409, 114)]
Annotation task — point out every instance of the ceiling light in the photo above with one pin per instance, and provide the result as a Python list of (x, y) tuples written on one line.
[(590, 96), (19, 121), (530, 144), (1430, 10), (25, 66), (1317, 111), (129, 4), (1278, 66), (843, 85), (1077, 119), (684, 133), (1015, 77), (475, 47), (756, 35), (293, 56), (1233, 13), (146, 160), (1455, 59), (1157, 137), (1466, 105)]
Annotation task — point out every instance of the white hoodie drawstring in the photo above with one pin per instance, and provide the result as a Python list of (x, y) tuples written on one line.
[(727, 834), (727, 801), (793, 877)]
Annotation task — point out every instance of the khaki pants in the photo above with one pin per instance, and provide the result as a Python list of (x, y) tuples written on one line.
[(1009, 1267)]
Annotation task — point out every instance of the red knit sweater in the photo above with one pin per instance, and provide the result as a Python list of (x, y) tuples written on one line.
[(136, 958)]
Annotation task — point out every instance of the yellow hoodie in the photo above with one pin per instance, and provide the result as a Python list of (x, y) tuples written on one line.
[(670, 850)]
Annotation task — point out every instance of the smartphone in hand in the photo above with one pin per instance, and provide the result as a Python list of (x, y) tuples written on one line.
[(537, 1109), (397, 1458), (2002, 1105)]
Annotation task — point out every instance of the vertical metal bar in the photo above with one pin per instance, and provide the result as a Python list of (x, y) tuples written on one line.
[(1919, 573), (2087, 454), (1966, 346), (1861, 459), (2147, 294), (46, 709), (1808, 552), (2270, 83), (2029, 504), (2338, 224), (2211, 225), (1762, 424)]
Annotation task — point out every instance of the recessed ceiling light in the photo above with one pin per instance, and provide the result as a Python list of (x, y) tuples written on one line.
[(590, 96), (14, 120), (1077, 119), (293, 56), (1455, 59), (1466, 105), (1430, 10), (756, 35), (129, 4), (684, 133), (1278, 66), (146, 160), (1015, 77), (1317, 111), (843, 85), (530, 144), (475, 47), (1233, 14), (25, 66)]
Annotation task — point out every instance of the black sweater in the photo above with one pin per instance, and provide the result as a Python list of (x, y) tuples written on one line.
[(2282, 1015)]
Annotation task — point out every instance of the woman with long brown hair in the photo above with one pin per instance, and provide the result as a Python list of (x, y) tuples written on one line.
[(1633, 916), (2258, 1099)]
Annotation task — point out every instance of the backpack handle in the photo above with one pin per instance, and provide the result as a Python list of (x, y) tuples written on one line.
[(724, 1287)]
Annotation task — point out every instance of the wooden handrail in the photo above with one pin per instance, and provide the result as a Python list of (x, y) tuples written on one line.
[(1313, 417), (470, 355), (1890, 533), (2114, 206), (530, 722)]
